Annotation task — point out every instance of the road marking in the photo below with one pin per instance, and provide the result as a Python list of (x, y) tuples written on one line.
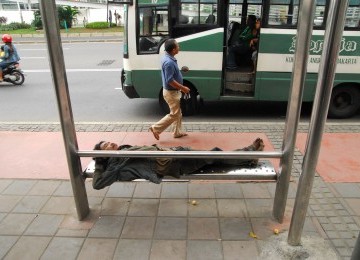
[(119, 88), (28, 58), (74, 70), (44, 49)]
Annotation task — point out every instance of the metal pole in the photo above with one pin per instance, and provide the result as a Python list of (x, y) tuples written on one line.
[(356, 253), (332, 40), (303, 38), (52, 32)]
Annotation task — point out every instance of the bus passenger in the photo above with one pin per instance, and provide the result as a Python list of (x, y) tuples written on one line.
[(254, 43), (112, 169), (172, 81), (10, 54), (240, 53)]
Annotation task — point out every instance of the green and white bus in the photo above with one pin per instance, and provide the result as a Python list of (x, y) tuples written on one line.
[(205, 29)]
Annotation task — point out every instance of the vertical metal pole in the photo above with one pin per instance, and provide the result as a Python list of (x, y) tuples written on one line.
[(303, 38), (52, 32), (332, 40), (356, 253)]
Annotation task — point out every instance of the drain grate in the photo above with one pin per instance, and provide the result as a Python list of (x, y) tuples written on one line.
[(106, 62)]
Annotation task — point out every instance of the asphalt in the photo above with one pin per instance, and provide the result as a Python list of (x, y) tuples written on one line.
[(141, 220), (69, 37)]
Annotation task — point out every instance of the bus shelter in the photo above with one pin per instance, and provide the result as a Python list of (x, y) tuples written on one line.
[(327, 68)]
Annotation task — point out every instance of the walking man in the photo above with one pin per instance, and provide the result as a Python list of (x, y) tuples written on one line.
[(172, 81)]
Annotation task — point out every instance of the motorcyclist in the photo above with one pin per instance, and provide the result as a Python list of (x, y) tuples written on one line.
[(10, 54)]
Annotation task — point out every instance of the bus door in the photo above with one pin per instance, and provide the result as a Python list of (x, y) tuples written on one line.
[(240, 58)]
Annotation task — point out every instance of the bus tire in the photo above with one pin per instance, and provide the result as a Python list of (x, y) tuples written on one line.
[(344, 102)]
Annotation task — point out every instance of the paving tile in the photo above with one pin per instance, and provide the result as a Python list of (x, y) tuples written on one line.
[(354, 204), (15, 224), (255, 190), (44, 225), (165, 250), (143, 207), (98, 248), (59, 205), (64, 189), (4, 184), (200, 249), (201, 190), (291, 191), (138, 227), (235, 228), (8, 202), (121, 189), (115, 206), (170, 228), (147, 190), (63, 248), (347, 190), (44, 188), (230, 208), (133, 249), (203, 228), (2, 215), (72, 221), (235, 250), (228, 191), (174, 191), (264, 227), (91, 192), (28, 248), (6, 243), (259, 207), (173, 207), (203, 208), (64, 232), (19, 187), (95, 203), (107, 227), (31, 204)]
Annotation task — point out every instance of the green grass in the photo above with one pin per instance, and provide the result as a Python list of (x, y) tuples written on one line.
[(70, 30)]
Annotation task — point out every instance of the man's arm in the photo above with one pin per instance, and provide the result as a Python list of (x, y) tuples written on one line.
[(103, 178)]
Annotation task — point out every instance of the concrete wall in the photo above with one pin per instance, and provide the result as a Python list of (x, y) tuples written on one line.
[(14, 16)]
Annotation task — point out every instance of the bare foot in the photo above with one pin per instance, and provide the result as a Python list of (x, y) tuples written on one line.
[(156, 135), (180, 135)]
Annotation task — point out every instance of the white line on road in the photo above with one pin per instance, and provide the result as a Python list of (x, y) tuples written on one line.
[(28, 58), (74, 70)]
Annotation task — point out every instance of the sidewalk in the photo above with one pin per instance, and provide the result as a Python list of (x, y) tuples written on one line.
[(141, 220)]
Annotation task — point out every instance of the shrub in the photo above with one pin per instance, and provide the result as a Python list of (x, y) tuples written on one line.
[(37, 22), (15, 26), (99, 25)]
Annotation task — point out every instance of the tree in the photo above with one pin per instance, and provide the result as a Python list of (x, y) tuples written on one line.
[(67, 14)]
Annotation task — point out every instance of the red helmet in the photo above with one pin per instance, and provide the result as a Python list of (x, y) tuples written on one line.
[(6, 38)]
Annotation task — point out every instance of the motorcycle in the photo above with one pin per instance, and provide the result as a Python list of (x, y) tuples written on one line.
[(13, 74)]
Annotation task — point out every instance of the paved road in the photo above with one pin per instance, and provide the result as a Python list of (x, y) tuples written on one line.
[(95, 89)]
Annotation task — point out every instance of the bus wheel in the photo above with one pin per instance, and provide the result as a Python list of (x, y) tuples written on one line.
[(344, 102)]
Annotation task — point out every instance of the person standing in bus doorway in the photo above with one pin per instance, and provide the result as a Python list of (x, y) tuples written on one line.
[(172, 87)]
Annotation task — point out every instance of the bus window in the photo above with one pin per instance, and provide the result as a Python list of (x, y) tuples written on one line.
[(283, 12), (235, 11), (198, 12), (353, 14), (319, 13), (153, 28)]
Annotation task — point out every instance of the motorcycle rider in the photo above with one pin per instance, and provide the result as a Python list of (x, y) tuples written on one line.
[(10, 54)]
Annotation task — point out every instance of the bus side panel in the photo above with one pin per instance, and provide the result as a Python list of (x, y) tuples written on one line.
[(275, 86), (147, 83), (206, 82)]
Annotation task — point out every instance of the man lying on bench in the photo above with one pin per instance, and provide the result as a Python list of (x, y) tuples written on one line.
[(112, 169)]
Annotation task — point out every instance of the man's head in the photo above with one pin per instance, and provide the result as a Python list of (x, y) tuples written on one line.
[(104, 145), (172, 47)]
